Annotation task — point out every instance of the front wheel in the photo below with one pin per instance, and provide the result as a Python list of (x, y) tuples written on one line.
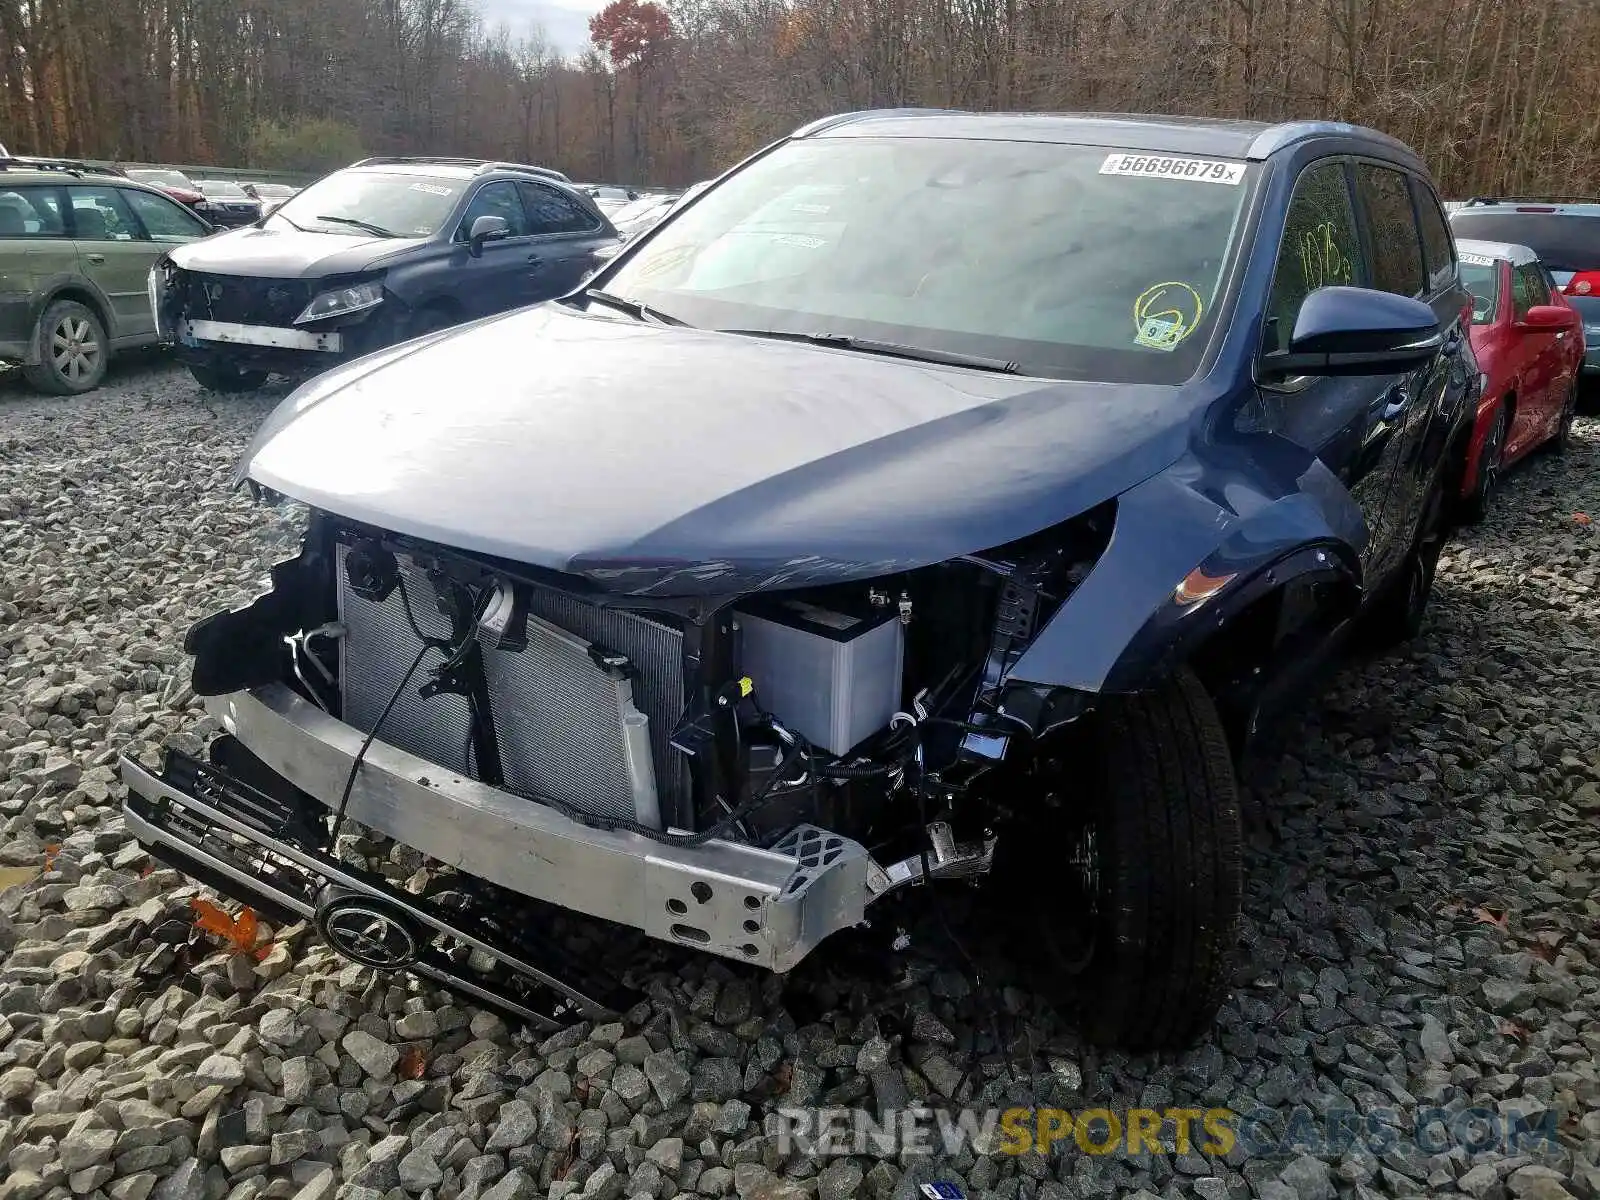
[(222, 377), (1561, 440), (1150, 836)]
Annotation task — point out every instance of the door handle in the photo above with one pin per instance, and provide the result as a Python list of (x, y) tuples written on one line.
[(96, 258)]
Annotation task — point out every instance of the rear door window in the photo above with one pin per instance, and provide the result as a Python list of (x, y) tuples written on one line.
[(31, 212), (1392, 228), (550, 211), (1438, 253)]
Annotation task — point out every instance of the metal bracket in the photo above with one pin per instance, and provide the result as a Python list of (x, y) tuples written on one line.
[(947, 859)]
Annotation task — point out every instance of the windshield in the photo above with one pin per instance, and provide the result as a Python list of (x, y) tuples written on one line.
[(403, 205), (228, 191), (167, 178), (1070, 261), (1482, 278)]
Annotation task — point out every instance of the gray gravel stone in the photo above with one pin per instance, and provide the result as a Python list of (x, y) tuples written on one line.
[(517, 1126), (376, 1058), (1428, 792), (667, 1077)]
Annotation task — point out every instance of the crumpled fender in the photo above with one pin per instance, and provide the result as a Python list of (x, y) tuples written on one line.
[(1253, 514)]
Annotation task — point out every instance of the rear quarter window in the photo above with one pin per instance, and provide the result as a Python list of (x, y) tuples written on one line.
[(31, 212), (1439, 255)]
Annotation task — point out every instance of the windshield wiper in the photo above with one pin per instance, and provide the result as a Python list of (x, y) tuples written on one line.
[(377, 230), (840, 341), (635, 308)]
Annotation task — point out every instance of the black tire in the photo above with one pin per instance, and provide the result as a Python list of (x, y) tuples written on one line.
[(1561, 440), (1397, 615), (221, 377), (73, 350), (1475, 507), (1155, 849)]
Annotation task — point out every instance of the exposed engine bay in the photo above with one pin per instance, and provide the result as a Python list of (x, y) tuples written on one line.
[(817, 748)]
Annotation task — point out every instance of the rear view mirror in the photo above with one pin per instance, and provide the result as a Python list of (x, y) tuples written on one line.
[(487, 229), (1549, 316), (1357, 331)]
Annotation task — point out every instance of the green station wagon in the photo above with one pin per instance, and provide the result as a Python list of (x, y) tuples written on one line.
[(76, 248)]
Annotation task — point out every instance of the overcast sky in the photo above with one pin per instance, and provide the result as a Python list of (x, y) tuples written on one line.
[(565, 22)]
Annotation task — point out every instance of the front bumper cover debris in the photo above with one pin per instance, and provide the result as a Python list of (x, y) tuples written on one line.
[(768, 907)]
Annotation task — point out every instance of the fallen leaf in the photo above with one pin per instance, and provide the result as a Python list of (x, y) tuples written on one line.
[(146, 870), (50, 853), (1579, 518), (1513, 1031), (263, 950), (1540, 951), (413, 1063), (239, 932), (1486, 916)]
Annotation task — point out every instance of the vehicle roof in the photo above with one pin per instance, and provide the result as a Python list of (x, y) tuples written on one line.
[(1517, 256), (1218, 136)]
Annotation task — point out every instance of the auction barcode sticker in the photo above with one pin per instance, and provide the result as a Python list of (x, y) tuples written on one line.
[(1477, 260), (1160, 166)]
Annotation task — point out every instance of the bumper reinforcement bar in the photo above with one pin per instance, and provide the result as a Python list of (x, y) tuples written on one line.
[(766, 906)]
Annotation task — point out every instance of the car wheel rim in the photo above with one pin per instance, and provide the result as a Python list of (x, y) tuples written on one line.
[(1075, 940), (75, 349)]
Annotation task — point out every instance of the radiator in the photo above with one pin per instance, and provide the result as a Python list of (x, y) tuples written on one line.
[(566, 728)]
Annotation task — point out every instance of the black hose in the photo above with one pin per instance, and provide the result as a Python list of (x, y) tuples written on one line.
[(366, 743)]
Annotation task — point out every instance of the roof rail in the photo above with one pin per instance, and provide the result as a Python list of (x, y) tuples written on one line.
[(1286, 133), (479, 165), (548, 172), (71, 166), (1480, 201), (442, 160), (866, 114)]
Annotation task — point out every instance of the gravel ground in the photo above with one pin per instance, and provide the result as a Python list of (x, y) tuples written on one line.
[(1419, 924)]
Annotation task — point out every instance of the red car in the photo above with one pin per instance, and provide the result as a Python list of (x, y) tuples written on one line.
[(1529, 344), (177, 185)]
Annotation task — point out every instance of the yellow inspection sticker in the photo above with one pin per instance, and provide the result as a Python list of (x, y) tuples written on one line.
[(1165, 314)]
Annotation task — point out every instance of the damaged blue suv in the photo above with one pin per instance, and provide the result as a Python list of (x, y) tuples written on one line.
[(936, 496)]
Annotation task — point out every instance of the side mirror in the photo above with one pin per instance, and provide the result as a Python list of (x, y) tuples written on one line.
[(487, 229), (1550, 316), (1357, 331)]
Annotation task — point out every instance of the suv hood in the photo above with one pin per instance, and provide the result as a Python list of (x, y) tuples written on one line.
[(683, 461), (283, 253)]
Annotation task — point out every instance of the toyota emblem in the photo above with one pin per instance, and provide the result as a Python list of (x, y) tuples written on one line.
[(363, 932)]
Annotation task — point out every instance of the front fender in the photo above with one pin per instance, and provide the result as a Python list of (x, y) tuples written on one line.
[(1191, 546)]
